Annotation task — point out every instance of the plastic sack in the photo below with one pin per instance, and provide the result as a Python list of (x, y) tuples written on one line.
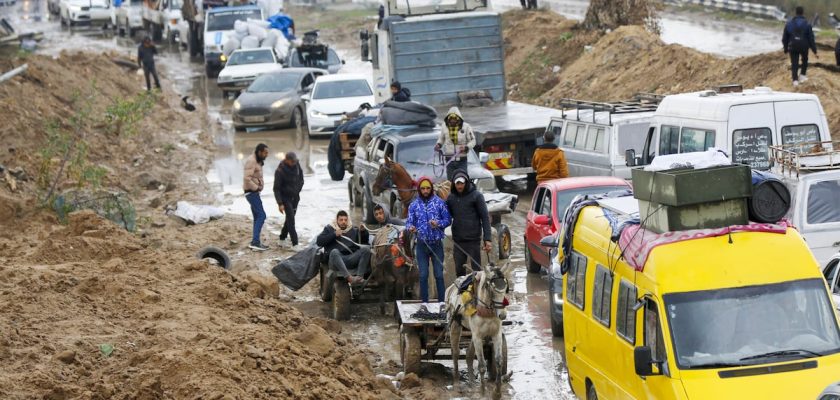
[(283, 23), (697, 160), (197, 214), (269, 42), (240, 26), (230, 45), (258, 22), (250, 42), (256, 31)]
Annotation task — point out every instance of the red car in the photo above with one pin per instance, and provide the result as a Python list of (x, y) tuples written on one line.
[(548, 207)]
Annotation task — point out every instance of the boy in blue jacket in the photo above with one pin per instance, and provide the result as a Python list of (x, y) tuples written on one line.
[(428, 217)]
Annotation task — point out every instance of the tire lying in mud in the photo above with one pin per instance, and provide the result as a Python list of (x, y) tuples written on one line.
[(216, 254)]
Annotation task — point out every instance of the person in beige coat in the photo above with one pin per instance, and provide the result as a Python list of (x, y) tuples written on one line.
[(455, 141), (253, 184)]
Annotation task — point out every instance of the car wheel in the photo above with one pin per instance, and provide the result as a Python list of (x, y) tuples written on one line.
[(591, 394), (367, 207), (358, 196), (505, 241), (301, 130), (556, 323), (239, 128), (210, 71), (533, 267)]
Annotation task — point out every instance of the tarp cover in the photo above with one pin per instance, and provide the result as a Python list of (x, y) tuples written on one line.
[(407, 113), (297, 270)]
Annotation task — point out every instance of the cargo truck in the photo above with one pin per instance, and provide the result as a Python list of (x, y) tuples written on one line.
[(161, 19)]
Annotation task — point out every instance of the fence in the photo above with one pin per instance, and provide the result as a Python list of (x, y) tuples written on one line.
[(738, 6)]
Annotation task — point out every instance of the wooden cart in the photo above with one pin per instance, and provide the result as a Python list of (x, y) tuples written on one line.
[(423, 339)]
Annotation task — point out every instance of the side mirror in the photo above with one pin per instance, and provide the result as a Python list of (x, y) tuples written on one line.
[(343, 62), (643, 361), (550, 242), (542, 220), (630, 157), (483, 157), (305, 97)]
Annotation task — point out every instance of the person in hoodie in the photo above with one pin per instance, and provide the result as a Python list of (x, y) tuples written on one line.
[(428, 217), (252, 184), (399, 93), (455, 141), (470, 223), (288, 182), (146, 52), (797, 38), (549, 162), (344, 248)]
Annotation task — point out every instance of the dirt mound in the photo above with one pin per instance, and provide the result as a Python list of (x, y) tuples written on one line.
[(630, 60), (86, 237)]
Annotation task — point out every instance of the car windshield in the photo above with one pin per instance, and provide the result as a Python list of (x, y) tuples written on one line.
[(338, 89), (317, 56), (565, 197), (175, 4), (752, 325), (251, 57), (223, 21), (274, 83)]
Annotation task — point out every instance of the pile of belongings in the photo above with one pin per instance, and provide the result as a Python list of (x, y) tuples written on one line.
[(252, 34)]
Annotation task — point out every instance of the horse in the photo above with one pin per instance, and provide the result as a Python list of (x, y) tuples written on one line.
[(393, 267), (393, 174), (482, 314)]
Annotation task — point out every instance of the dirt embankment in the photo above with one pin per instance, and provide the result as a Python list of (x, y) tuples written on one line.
[(631, 60), (89, 310)]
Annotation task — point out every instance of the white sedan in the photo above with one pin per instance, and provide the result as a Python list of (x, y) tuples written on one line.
[(245, 65), (84, 12), (334, 95)]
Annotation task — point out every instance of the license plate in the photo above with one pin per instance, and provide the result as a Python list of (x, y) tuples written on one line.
[(253, 119)]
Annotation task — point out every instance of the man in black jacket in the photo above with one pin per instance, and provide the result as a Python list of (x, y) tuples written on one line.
[(797, 38), (345, 249), (146, 59), (288, 182), (470, 223)]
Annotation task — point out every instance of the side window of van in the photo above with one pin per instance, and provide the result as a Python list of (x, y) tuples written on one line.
[(601, 295), (596, 139), (653, 334), (669, 140), (692, 140), (575, 136), (800, 134), (576, 280), (625, 316), (822, 202), (749, 146)]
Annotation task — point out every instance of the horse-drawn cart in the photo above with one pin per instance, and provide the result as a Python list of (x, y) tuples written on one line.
[(423, 337)]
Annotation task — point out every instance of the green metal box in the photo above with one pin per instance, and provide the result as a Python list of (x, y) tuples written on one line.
[(682, 187), (716, 214)]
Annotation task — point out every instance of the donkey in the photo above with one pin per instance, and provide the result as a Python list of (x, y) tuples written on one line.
[(488, 292), (393, 174), (393, 268)]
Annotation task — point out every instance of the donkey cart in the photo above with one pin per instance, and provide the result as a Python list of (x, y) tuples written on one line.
[(423, 337)]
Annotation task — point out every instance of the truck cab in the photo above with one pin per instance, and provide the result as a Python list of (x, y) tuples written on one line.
[(742, 123), (218, 27)]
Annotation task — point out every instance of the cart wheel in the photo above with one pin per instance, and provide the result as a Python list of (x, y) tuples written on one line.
[(504, 241), (341, 300), (352, 194), (326, 290), (491, 365), (410, 351)]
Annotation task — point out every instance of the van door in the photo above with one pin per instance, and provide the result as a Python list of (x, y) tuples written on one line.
[(821, 217), (658, 386), (540, 205), (799, 122), (586, 148), (751, 130)]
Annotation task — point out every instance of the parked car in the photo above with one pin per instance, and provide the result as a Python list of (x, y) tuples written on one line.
[(832, 277), (831, 393), (273, 99), (127, 17), (245, 65), (332, 96), (310, 56), (84, 12), (544, 219)]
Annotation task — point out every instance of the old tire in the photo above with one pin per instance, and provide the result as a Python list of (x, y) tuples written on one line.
[(358, 195), (341, 300), (301, 129), (325, 289), (410, 352), (591, 393), (216, 254), (505, 241), (533, 267), (239, 128), (491, 365), (367, 207)]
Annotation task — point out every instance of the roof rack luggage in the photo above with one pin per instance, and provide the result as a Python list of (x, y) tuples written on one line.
[(641, 102), (808, 157)]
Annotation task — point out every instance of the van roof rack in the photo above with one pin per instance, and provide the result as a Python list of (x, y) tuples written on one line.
[(641, 102), (806, 156)]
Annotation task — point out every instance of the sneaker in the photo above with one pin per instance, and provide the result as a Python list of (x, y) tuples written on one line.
[(795, 83), (298, 247), (284, 245), (258, 247), (803, 78)]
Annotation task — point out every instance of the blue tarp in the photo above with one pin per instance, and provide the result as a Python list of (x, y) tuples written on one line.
[(282, 22)]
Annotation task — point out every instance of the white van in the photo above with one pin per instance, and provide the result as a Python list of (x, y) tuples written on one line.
[(595, 136), (741, 122)]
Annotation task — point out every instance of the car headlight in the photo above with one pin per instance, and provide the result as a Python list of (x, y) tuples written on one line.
[(236, 105), (317, 114), (223, 58), (223, 78), (75, 8), (278, 104)]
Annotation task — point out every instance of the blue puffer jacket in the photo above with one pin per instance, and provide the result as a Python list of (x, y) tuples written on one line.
[(421, 211)]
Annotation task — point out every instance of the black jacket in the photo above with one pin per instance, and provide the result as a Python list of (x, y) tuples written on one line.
[(469, 213), (799, 36), (146, 56), (288, 182), (403, 95), (345, 244)]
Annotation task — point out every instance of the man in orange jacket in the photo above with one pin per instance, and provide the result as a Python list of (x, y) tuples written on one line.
[(549, 162)]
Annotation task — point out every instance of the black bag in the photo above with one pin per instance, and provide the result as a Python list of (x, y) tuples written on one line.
[(296, 271), (798, 41)]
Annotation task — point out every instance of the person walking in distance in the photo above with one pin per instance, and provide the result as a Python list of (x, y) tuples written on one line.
[(428, 217), (253, 184), (146, 59), (797, 38), (288, 182), (470, 223), (549, 161), (455, 141)]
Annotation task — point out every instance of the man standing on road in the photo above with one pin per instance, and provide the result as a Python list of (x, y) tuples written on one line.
[(253, 185), (470, 223), (288, 182), (343, 248), (428, 217), (549, 162), (146, 59), (455, 141), (797, 39)]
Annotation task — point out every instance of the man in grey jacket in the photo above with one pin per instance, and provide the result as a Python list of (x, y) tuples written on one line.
[(252, 184), (470, 223)]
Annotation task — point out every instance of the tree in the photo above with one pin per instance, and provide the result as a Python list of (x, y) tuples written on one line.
[(610, 14)]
